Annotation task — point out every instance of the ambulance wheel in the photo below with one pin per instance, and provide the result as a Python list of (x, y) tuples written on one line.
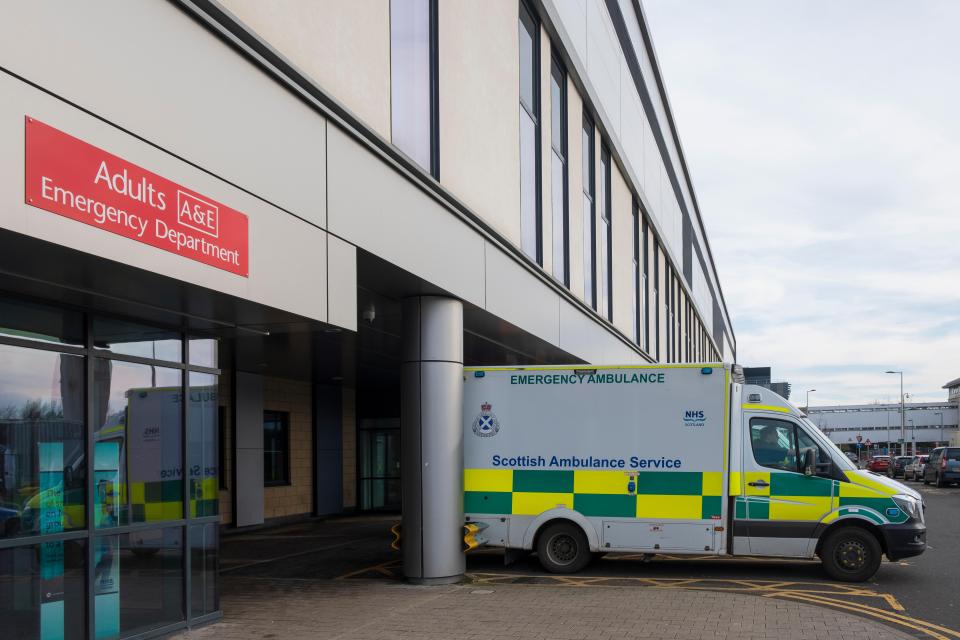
[(851, 554), (563, 548)]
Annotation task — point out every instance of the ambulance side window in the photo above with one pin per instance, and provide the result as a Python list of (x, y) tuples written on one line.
[(804, 442), (773, 443)]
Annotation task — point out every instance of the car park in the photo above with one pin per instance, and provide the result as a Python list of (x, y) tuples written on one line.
[(897, 466), (943, 466), (878, 464), (914, 468)]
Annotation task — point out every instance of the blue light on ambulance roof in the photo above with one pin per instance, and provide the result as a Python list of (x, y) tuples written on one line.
[(706, 371), (479, 374)]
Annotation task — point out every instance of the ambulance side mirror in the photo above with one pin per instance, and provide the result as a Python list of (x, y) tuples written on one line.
[(809, 462)]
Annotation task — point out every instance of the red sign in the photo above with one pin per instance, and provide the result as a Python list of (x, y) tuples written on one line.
[(67, 176)]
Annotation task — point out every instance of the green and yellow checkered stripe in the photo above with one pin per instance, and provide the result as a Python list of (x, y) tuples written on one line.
[(681, 495), (799, 498)]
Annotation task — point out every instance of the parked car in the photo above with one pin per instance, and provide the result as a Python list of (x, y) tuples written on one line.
[(943, 466), (852, 457), (878, 464), (914, 468), (897, 466)]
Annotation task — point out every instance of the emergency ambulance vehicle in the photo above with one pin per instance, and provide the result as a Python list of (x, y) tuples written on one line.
[(677, 459)]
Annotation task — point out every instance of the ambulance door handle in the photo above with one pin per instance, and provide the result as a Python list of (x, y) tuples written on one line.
[(759, 483)]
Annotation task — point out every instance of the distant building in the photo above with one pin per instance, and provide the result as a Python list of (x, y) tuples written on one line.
[(925, 424), (953, 396), (761, 376)]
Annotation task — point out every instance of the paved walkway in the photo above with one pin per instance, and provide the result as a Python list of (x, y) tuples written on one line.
[(377, 609)]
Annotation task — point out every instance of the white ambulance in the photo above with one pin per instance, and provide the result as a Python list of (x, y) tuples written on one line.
[(676, 459)]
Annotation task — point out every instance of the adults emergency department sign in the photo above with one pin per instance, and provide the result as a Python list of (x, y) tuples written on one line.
[(69, 177)]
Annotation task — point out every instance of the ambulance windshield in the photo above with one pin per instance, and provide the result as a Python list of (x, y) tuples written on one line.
[(839, 458)]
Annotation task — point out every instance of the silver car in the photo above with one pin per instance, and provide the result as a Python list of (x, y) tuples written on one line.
[(914, 468)]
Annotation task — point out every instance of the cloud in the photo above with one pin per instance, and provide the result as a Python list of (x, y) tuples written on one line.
[(821, 139)]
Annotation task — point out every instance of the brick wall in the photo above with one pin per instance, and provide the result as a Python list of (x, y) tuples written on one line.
[(294, 398)]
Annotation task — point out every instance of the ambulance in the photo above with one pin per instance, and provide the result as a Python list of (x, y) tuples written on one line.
[(668, 459)]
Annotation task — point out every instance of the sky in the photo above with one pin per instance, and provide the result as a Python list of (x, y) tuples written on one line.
[(823, 141)]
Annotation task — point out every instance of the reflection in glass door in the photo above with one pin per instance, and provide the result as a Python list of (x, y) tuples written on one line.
[(380, 464)]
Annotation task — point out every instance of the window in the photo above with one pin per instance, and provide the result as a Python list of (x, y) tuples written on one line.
[(604, 253), (222, 445), (558, 178), (413, 81), (276, 448), (636, 275), (646, 287), (656, 296), (530, 221), (668, 311), (589, 216), (775, 445)]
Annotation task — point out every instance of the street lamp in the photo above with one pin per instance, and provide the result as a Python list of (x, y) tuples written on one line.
[(809, 391), (913, 438), (903, 435), (940, 413)]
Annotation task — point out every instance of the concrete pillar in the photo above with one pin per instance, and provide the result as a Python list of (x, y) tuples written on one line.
[(248, 448), (431, 438)]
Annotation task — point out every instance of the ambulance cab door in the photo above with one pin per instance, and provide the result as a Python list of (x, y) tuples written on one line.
[(782, 505)]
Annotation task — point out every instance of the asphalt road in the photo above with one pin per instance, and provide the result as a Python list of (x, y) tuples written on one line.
[(910, 595)]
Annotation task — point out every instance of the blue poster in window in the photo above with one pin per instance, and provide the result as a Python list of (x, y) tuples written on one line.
[(50, 520)]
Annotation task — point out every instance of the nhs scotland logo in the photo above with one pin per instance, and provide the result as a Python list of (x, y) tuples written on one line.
[(486, 424), (694, 418)]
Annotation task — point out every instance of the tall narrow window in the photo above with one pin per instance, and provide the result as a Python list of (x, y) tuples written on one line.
[(637, 335), (668, 312), (646, 287), (276, 448), (606, 288), (558, 176), (530, 222), (589, 216), (413, 81), (656, 296)]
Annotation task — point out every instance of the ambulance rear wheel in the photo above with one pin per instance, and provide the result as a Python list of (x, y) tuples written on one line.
[(851, 554), (563, 548)]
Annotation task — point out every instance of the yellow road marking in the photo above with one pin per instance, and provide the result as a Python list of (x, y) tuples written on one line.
[(383, 567)]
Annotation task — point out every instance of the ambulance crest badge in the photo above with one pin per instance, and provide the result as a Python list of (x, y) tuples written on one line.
[(486, 424)]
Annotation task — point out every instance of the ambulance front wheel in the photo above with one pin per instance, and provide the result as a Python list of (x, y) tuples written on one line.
[(851, 554), (562, 547)]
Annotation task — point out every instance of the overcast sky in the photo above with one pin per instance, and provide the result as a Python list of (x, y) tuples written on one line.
[(823, 139)]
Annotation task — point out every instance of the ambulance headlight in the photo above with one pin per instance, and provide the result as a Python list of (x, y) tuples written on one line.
[(908, 504)]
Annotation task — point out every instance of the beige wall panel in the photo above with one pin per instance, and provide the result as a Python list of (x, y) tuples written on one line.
[(153, 70), (585, 338), (279, 245), (479, 109), (342, 283), (400, 223), (343, 46), (575, 185), (519, 297)]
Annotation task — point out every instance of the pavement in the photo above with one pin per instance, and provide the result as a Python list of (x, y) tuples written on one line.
[(339, 579)]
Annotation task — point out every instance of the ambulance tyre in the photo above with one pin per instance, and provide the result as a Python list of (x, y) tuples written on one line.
[(562, 547), (851, 554)]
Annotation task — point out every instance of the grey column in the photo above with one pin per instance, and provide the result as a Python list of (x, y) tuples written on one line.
[(248, 448), (431, 437)]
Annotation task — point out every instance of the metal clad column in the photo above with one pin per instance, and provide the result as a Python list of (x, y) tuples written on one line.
[(431, 438)]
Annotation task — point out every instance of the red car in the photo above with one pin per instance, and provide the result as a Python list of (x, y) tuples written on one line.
[(878, 464)]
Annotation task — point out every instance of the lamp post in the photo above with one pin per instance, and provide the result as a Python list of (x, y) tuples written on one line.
[(809, 391), (913, 438), (940, 413), (903, 435)]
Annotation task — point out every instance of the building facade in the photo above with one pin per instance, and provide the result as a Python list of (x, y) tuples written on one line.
[(246, 249), (877, 426)]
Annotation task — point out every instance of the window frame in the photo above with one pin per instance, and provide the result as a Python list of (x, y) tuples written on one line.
[(606, 216), (558, 74), (434, 89), (588, 136), (285, 421), (533, 29)]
